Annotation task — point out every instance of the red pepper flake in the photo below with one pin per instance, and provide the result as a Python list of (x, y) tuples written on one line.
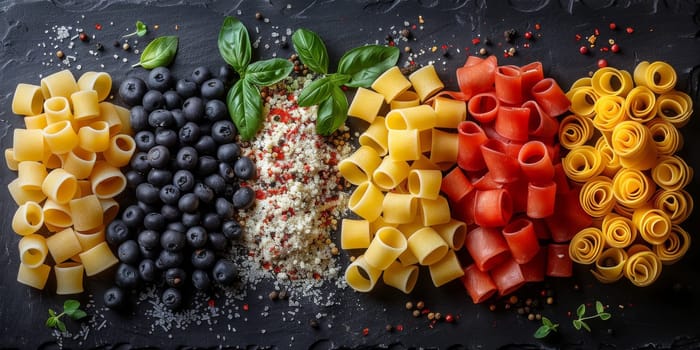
[(98, 26), (578, 37), (612, 26), (365, 331), (538, 26), (596, 32), (629, 30), (245, 307), (528, 35), (615, 48), (391, 43), (449, 318), (602, 63), (211, 303), (604, 49), (476, 41), (344, 88), (260, 194)]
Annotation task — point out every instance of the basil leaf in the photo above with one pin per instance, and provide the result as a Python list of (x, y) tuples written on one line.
[(158, 53), (547, 322), (599, 308), (581, 310), (366, 63), (245, 108), (577, 324), (268, 72), (70, 305), (332, 112), (78, 314), (234, 44), (316, 92), (311, 49), (339, 79), (61, 326), (605, 316), (542, 332), (141, 28)]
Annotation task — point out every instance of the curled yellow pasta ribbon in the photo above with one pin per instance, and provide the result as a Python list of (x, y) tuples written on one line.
[(674, 247), (583, 163), (633, 144), (623, 210), (658, 76), (676, 204), (609, 112), (653, 224), (619, 231), (666, 137), (672, 173), (596, 196), (575, 131), (586, 246), (583, 100), (674, 107), (632, 188), (640, 104), (611, 81), (581, 82), (609, 267), (643, 267), (610, 158)]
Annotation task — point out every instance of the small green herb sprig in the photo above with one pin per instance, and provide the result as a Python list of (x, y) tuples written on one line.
[(243, 99), (580, 322), (158, 53), (546, 328), (71, 308), (358, 67), (141, 30)]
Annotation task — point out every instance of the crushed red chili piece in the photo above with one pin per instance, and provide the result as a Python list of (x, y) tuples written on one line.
[(476, 41), (98, 26), (365, 331)]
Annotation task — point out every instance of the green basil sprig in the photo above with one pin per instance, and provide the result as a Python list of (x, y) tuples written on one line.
[(358, 67), (243, 99), (158, 53)]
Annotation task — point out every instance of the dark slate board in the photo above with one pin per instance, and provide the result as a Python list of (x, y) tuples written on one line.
[(662, 316)]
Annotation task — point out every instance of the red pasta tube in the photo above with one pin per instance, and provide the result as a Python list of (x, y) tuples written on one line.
[(531, 74), (541, 199), (541, 229), (471, 136), (492, 208), (508, 277), (518, 193), (541, 125), (455, 185), (522, 240), (477, 75), (487, 247), (535, 162), (559, 263), (478, 284), (485, 182), (509, 85), (502, 167), (533, 270), (568, 217), (512, 123), (484, 107), (550, 97), (561, 179)]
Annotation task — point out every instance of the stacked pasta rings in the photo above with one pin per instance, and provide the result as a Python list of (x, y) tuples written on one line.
[(622, 139)]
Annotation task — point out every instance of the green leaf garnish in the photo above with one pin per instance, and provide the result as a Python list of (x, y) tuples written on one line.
[(364, 64), (268, 72), (316, 92), (546, 328), (158, 53), (332, 112), (245, 108), (141, 30), (311, 49), (581, 313), (234, 44), (581, 310), (71, 308)]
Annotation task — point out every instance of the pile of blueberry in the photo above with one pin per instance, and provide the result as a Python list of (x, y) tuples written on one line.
[(186, 176)]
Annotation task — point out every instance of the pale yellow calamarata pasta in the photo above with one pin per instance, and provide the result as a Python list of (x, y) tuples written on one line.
[(575, 131), (672, 173), (423, 163), (426, 82), (107, 181), (610, 158), (633, 143), (91, 239), (52, 160), (31, 175), (21, 196), (427, 246), (79, 162), (632, 188), (85, 105), (421, 117), (583, 101), (406, 99), (653, 225), (60, 137), (355, 234), (643, 266), (678, 205), (407, 258), (390, 173), (28, 219), (586, 246), (28, 144), (610, 265), (667, 138), (100, 82), (359, 167), (84, 188), (446, 269), (376, 225), (57, 109), (90, 213), (401, 277), (33, 250), (410, 228), (366, 105), (596, 196), (124, 116), (56, 215), (448, 112), (376, 136), (399, 208), (63, 245), (98, 259), (120, 150), (674, 107), (10, 160), (611, 81), (674, 247), (35, 121), (443, 148), (391, 84), (583, 163), (108, 114), (453, 233), (94, 137), (618, 231), (33, 277), (658, 76), (424, 183), (362, 276), (61, 84), (69, 278), (366, 201), (425, 140), (434, 211), (404, 144), (388, 243), (60, 186), (27, 100), (110, 208)]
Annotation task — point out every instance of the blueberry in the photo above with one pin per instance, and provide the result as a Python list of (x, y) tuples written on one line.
[(224, 208), (169, 194), (128, 252), (211, 222), (231, 189), (154, 221), (126, 276), (144, 140), (172, 99), (226, 73), (244, 168), (139, 162), (186, 88), (218, 241), (153, 100), (134, 178), (207, 165), (223, 132), (203, 192), (213, 89), (205, 128), (160, 177), (149, 239), (159, 156), (172, 298), (226, 172), (159, 79), (215, 110), (170, 212), (179, 117), (196, 237), (203, 259), (232, 229), (132, 90), (243, 198), (167, 259), (172, 240), (187, 158), (184, 180), (200, 279), (117, 232), (216, 182), (138, 117), (149, 253), (147, 193), (189, 133), (188, 203), (161, 118), (193, 109), (166, 137), (224, 272), (147, 270), (200, 75), (175, 277), (114, 298), (177, 226), (228, 153), (147, 207), (191, 219), (133, 216), (206, 145)]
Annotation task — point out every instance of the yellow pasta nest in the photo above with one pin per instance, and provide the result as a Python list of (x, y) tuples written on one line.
[(623, 136), (67, 159)]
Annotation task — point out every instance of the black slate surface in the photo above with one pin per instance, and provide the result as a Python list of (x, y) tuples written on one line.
[(662, 316)]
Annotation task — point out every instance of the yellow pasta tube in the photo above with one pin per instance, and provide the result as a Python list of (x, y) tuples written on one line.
[(583, 101), (404, 144), (57, 215), (110, 209), (426, 140), (388, 243), (377, 224), (60, 186), (90, 239), (407, 258), (101, 82), (52, 160), (107, 181), (449, 113), (596, 196), (33, 250), (678, 205), (354, 234), (359, 166), (425, 183), (434, 211), (60, 137), (427, 246), (391, 83), (672, 173), (365, 201), (124, 116), (610, 265), (85, 105), (57, 109), (90, 210), (35, 121), (658, 76), (94, 137), (376, 136), (446, 269), (410, 228), (453, 232), (69, 278), (632, 188), (583, 163), (666, 137), (21, 196), (586, 246), (63, 245), (404, 100), (610, 158), (361, 276), (421, 117), (31, 175), (365, 105), (120, 150), (108, 113), (27, 100), (424, 163), (653, 225), (401, 277), (640, 104), (426, 82), (84, 189), (10, 160), (61, 84), (619, 231), (575, 131), (33, 277), (399, 208), (632, 142), (675, 107), (443, 148), (675, 246), (390, 173), (28, 144), (27, 219), (611, 81), (643, 268), (79, 162), (97, 259)]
